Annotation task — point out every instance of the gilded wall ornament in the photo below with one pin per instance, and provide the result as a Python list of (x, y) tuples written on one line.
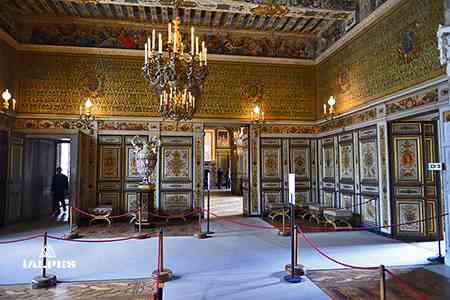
[(270, 10), (408, 50)]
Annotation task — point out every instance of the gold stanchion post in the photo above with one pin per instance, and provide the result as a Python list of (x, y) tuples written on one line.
[(382, 283), (164, 274)]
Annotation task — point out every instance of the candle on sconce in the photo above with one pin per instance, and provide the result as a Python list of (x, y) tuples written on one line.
[(205, 56), (196, 45), (146, 54), (160, 43), (324, 109), (13, 104), (169, 30), (192, 41), (153, 39)]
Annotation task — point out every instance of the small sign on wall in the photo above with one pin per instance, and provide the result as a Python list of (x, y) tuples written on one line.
[(435, 166), (292, 189)]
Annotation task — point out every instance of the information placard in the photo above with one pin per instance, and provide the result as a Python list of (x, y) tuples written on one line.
[(292, 189), (434, 166)]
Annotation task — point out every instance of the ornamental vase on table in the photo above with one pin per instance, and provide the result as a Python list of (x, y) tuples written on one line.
[(146, 158)]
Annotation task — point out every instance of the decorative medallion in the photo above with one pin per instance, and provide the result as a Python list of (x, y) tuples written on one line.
[(408, 49), (344, 79)]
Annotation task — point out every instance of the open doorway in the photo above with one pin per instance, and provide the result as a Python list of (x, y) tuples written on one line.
[(223, 165)]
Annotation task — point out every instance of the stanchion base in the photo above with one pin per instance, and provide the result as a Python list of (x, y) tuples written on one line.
[(210, 232), (164, 276), (201, 235), (293, 278), (142, 236), (71, 236), (436, 259), (299, 270), (284, 232), (40, 282)]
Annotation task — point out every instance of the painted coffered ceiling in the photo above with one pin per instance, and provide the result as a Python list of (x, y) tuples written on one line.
[(268, 28)]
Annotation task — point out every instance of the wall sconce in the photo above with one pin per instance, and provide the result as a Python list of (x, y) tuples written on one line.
[(328, 111), (238, 135), (257, 115), (87, 115), (7, 106)]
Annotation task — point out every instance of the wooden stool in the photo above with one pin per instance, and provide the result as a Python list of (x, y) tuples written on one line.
[(278, 210), (101, 213)]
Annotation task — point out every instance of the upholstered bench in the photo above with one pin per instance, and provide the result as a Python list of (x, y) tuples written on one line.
[(101, 213), (338, 216), (316, 212)]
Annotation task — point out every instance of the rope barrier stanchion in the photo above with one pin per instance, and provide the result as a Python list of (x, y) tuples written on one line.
[(200, 234), (382, 283), (298, 268), (208, 216), (46, 280), (292, 277), (73, 233), (162, 274)]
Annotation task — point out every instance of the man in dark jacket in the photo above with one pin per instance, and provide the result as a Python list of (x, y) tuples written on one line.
[(60, 185)]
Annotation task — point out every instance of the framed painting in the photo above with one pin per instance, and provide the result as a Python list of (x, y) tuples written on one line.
[(131, 165), (346, 162), (109, 162), (176, 202), (271, 163), (407, 215), (223, 138), (369, 212), (209, 145), (368, 167), (271, 197), (300, 162), (407, 156), (177, 163), (328, 163)]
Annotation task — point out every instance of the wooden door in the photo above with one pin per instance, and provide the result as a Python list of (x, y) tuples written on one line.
[(3, 174), (413, 145), (15, 180), (300, 165), (271, 173)]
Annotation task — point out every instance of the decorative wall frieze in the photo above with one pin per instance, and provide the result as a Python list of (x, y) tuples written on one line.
[(289, 129), (126, 125), (413, 101), (46, 124)]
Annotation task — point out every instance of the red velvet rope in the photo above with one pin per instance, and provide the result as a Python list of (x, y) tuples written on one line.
[(172, 216), (325, 229), (103, 240), (22, 239), (315, 247), (400, 282)]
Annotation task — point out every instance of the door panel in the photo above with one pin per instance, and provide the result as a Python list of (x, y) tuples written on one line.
[(414, 188), (15, 180)]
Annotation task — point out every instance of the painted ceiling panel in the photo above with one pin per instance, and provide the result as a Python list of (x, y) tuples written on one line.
[(244, 27)]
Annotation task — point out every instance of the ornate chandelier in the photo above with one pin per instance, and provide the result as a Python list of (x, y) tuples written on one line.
[(176, 75)]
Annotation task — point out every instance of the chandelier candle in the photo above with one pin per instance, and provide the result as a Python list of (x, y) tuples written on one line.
[(175, 74)]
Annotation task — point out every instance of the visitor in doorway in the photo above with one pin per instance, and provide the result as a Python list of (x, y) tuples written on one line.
[(227, 180), (60, 184), (219, 178)]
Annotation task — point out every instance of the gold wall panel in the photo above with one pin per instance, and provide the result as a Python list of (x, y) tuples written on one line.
[(397, 52), (57, 84), (6, 68)]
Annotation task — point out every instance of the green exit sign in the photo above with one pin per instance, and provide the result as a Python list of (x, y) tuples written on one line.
[(435, 167)]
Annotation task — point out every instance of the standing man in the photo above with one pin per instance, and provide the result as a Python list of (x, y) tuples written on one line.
[(60, 184)]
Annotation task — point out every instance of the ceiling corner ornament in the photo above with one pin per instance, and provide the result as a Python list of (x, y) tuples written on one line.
[(275, 10), (176, 75), (443, 36), (408, 49)]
